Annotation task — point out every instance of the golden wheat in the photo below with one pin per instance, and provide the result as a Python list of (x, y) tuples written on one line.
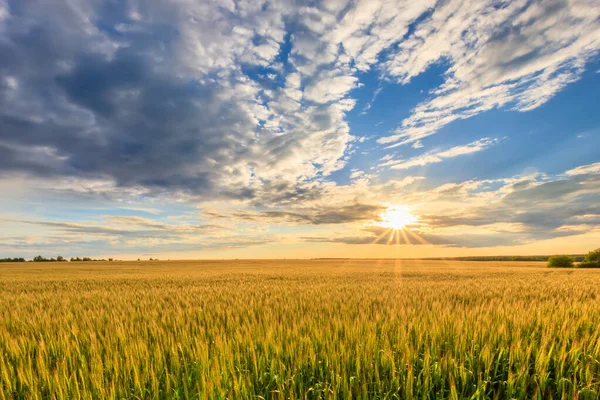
[(329, 329)]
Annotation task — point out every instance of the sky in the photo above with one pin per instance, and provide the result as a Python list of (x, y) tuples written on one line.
[(299, 128)]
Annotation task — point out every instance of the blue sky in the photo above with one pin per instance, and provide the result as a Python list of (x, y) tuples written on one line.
[(290, 128)]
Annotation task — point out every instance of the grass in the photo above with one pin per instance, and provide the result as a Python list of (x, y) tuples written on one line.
[(298, 329)]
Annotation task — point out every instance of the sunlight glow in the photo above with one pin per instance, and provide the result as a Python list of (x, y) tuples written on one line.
[(397, 218), (397, 221)]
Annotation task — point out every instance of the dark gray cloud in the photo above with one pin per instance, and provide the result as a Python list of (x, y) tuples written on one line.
[(539, 210), (553, 204), (127, 235), (159, 231), (314, 216), (145, 128), (156, 97)]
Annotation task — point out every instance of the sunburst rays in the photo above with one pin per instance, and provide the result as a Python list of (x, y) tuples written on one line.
[(400, 236), (397, 220)]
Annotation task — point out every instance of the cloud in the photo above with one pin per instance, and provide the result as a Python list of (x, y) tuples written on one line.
[(244, 105), (149, 228), (226, 100), (119, 90), (584, 169), (367, 107), (159, 98), (437, 157), (329, 89), (76, 246), (508, 54), (474, 213), (387, 237), (539, 208), (313, 216), (381, 236), (488, 213), (129, 234)]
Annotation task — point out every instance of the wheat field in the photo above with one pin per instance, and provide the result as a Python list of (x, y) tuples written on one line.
[(323, 329)]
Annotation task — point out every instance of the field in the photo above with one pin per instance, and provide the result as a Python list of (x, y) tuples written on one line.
[(327, 329)]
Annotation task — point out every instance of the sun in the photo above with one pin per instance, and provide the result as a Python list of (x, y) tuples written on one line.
[(397, 218), (401, 226)]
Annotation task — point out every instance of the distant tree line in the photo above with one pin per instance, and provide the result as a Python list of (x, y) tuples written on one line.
[(43, 259), (57, 259), (575, 257), (74, 259)]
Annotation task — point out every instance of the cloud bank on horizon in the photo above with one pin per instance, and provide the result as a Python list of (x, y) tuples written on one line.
[(141, 127)]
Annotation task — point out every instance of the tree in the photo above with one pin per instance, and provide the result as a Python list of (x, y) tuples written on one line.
[(60, 258), (593, 256), (560, 261), (591, 260)]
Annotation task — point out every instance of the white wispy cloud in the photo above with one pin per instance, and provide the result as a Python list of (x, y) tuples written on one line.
[(439, 156), (585, 169), (512, 54), (367, 107)]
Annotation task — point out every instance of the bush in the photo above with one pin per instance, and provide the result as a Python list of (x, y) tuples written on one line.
[(592, 256), (589, 264), (560, 262)]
